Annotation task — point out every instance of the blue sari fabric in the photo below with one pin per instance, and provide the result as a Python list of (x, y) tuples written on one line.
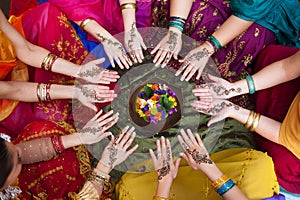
[(280, 16)]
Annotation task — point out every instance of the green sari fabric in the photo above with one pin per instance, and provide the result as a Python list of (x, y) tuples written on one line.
[(280, 16)]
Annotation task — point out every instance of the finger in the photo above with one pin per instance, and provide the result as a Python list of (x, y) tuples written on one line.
[(129, 142), (155, 49), (143, 44), (169, 151), (104, 135), (127, 58), (199, 73), (158, 147), (132, 55), (186, 72), (193, 71), (119, 63), (126, 136), (140, 52), (138, 56), (214, 119), (153, 157), (167, 59), (182, 143), (106, 115), (177, 163), (130, 151), (97, 115), (124, 62), (98, 61), (161, 58), (175, 55), (201, 105), (111, 60), (214, 78), (163, 146), (157, 56), (184, 156), (182, 67), (192, 137), (200, 143), (113, 121), (186, 138)]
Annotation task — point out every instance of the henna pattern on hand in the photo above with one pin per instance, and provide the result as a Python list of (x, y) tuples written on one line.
[(199, 55), (132, 37), (172, 40), (113, 151), (110, 42), (221, 90), (198, 157), (91, 130), (219, 107), (165, 170), (86, 92), (95, 71)]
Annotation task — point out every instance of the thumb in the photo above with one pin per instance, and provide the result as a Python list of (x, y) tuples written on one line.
[(177, 163), (214, 78), (214, 119), (98, 61)]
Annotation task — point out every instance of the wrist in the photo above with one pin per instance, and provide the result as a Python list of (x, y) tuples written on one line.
[(209, 47), (103, 167), (176, 30), (211, 171), (240, 85)]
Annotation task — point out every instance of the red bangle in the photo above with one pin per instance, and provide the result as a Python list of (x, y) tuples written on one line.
[(52, 62), (57, 144)]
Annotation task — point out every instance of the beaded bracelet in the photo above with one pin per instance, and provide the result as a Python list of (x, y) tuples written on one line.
[(255, 122), (251, 85), (215, 43), (160, 198), (250, 119), (225, 187), (57, 144), (129, 6)]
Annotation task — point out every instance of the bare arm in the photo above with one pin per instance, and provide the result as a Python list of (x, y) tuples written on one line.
[(128, 15), (33, 55)]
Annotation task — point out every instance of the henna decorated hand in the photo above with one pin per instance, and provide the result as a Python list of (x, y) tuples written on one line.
[(219, 89), (163, 163), (193, 62), (95, 129), (94, 73), (116, 151), (115, 51), (195, 152), (218, 108), (134, 44), (169, 46), (89, 94)]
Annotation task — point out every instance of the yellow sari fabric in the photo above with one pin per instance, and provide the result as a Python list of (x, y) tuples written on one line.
[(11, 69), (289, 135), (251, 170)]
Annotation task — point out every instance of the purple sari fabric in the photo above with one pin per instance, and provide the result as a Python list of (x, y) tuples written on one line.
[(236, 59)]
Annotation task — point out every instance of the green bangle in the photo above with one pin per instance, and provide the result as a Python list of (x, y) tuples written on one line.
[(177, 25), (216, 42), (251, 85)]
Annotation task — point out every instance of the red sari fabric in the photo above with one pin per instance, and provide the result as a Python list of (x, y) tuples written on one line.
[(55, 178), (274, 103)]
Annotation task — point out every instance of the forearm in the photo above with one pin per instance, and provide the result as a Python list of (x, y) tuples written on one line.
[(230, 29), (180, 8), (213, 173), (27, 92), (128, 15), (95, 30), (266, 127)]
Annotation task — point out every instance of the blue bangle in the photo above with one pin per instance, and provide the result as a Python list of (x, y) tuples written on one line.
[(251, 85), (225, 187), (216, 42)]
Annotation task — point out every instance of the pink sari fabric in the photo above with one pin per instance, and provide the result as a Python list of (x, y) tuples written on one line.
[(48, 27), (274, 103)]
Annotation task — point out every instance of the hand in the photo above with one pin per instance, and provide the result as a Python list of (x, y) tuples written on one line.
[(134, 44), (94, 73), (194, 61), (95, 129), (115, 51), (163, 163), (195, 152), (169, 46), (219, 89), (218, 108), (89, 94), (116, 151)]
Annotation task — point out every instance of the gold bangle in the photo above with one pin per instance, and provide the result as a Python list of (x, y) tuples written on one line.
[(45, 61), (220, 181), (129, 6), (249, 121), (255, 122), (38, 94), (84, 23), (160, 198)]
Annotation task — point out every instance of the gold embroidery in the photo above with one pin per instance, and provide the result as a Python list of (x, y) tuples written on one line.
[(83, 159), (43, 195), (41, 134), (247, 59), (215, 13), (42, 176), (202, 31)]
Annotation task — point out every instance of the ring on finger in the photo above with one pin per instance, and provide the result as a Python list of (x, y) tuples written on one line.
[(159, 155)]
